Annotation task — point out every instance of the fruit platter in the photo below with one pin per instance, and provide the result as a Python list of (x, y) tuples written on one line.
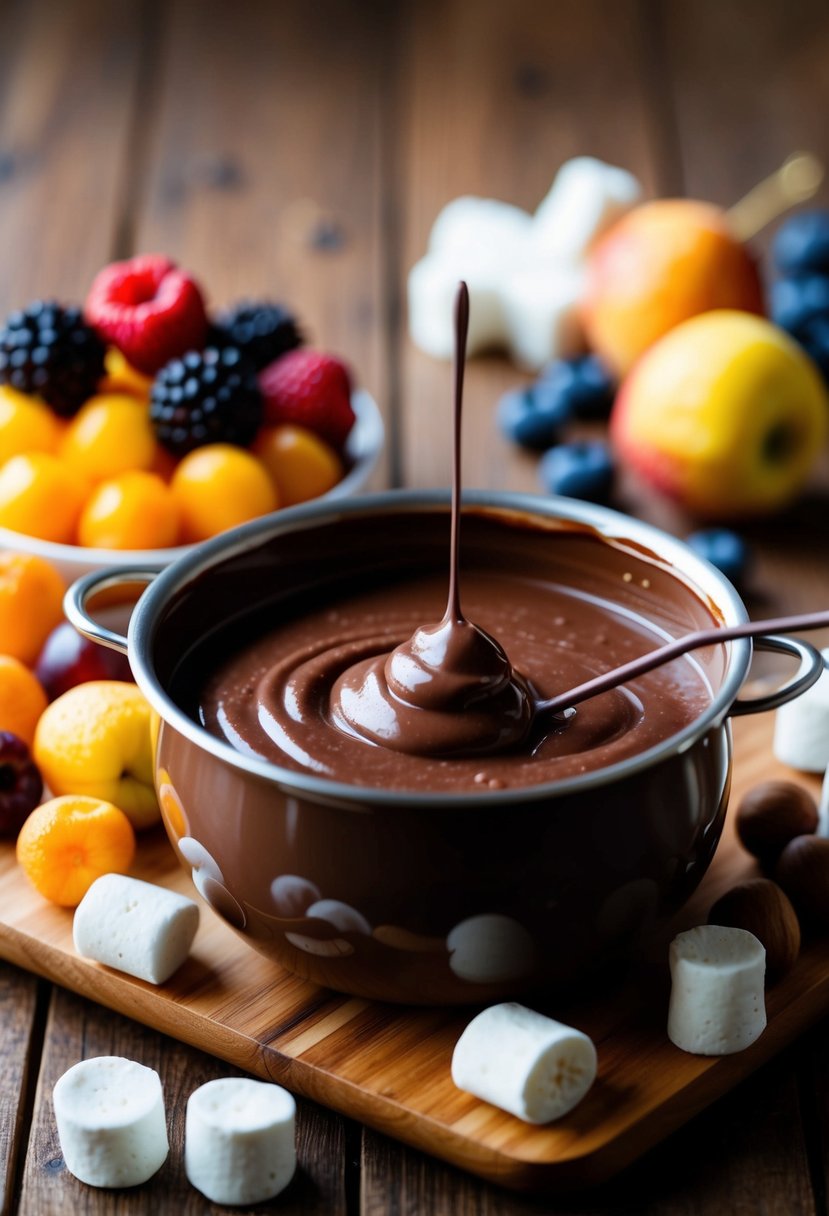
[(138, 425)]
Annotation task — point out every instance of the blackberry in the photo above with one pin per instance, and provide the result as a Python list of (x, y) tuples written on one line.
[(49, 350), (261, 331), (209, 396)]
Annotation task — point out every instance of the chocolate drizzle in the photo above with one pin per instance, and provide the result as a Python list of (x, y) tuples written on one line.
[(449, 689)]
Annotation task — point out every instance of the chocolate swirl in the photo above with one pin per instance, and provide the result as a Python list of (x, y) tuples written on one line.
[(449, 690)]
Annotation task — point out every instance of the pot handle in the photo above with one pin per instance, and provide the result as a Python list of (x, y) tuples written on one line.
[(81, 591), (808, 673)]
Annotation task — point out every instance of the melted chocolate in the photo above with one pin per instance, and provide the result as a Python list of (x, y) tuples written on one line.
[(361, 691), (449, 689)]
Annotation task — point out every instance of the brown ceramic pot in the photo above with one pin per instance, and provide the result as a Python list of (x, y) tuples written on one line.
[(416, 897)]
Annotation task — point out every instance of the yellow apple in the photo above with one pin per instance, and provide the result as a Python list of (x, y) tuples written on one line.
[(95, 740), (726, 414)]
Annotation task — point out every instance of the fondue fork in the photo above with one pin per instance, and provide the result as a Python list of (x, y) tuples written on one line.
[(674, 650)]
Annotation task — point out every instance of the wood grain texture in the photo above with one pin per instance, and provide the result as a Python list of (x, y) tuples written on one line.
[(69, 74), (18, 1060), (491, 102), (265, 165), (77, 1030), (741, 1156), (389, 1067), (745, 86)]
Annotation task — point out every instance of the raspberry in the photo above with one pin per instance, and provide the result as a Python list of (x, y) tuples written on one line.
[(48, 350), (149, 309), (206, 397), (310, 389), (262, 332)]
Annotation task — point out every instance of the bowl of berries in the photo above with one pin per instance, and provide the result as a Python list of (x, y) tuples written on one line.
[(139, 425)]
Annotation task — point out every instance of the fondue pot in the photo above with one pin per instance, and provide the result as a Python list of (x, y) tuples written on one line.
[(412, 895)]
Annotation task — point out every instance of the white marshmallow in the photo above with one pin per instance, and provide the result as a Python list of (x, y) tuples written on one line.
[(717, 1002), (586, 197), (823, 808), (524, 273), (471, 227), (135, 926), (542, 308), (528, 1064), (111, 1124), (433, 285), (489, 949), (239, 1143), (801, 728)]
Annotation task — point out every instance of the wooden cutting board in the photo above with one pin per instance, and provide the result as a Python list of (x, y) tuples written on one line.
[(389, 1066)]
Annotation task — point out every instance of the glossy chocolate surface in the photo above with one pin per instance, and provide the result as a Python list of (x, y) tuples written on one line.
[(563, 604)]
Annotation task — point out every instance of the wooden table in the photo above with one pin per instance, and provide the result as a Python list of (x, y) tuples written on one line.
[(301, 151)]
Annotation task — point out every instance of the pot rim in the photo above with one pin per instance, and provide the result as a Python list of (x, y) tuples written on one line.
[(612, 525)]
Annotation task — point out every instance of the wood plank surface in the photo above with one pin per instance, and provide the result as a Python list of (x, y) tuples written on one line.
[(77, 1030), (69, 74), (389, 1066), (303, 151), (491, 103), (264, 165), (19, 1049)]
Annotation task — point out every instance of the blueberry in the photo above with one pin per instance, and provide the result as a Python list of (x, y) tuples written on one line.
[(533, 416), (578, 470), (723, 549), (585, 384), (794, 302), (801, 244), (813, 336)]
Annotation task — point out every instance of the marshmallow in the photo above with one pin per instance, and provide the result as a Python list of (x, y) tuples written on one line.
[(433, 285), (470, 227), (111, 1125), (542, 307), (135, 926), (586, 197), (801, 728), (525, 273), (528, 1064), (717, 998), (239, 1144), (489, 949)]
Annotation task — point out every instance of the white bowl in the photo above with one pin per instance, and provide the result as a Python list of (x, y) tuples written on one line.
[(362, 450)]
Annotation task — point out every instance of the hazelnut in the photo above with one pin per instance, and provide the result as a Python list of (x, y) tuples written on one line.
[(772, 814), (760, 906), (803, 872)]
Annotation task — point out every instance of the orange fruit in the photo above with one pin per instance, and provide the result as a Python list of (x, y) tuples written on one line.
[(31, 603), (22, 700), (96, 740), (302, 465), (26, 425), (121, 377), (219, 486), (110, 434), (134, 511), (68, 842), (41, 497)]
